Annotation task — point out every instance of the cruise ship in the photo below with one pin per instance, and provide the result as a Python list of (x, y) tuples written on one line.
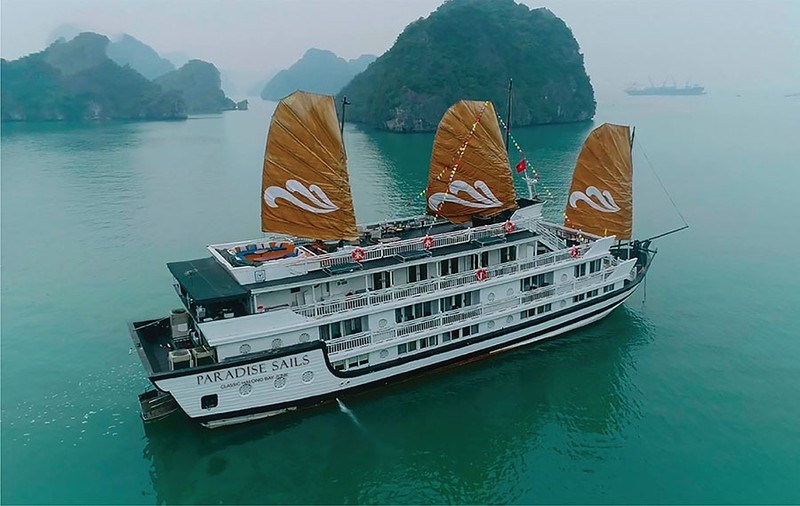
[(321, 306)]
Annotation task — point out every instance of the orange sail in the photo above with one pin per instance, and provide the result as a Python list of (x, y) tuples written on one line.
[(469, 174), (305, 190), (601, 196)]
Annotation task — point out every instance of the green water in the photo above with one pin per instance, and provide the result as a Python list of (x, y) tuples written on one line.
[(693, 396)]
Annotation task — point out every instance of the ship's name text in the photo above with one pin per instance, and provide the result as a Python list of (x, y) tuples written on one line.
[(253, 369)]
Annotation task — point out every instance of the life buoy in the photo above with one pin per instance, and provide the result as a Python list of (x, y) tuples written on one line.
[(574, 252), (509, 227), (481, 274), (359, 255), (427, 242)]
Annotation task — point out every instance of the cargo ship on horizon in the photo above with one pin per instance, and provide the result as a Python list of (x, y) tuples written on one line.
[(666, 89)]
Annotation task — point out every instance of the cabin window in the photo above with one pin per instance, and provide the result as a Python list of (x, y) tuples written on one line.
[(447, 267), (455, 301), (579, 297), (485, 259), (417, 273), (381, 280), (341, 282), (593, 293), (467, 331), (595, 265), (508, 254), (535, 282), (423, 343), (209, 401), (608, 288), (580, 270), (413, 312), (402, 349), (462, 332), (433, 340), (339, 366), (336, 330), (472, 262), (544, 309), (412, 346)]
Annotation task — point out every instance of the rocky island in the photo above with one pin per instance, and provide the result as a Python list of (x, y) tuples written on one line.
[(91, 78), (468, 49), (318, 71)]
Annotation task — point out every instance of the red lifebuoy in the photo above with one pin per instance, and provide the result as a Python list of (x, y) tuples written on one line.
[(481, 274), (509, 227), (427, 242), (574, 252), (358, 255)]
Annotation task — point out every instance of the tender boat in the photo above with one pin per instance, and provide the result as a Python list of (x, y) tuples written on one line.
[(324, 306)]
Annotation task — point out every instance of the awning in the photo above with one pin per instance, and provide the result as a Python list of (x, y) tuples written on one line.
[(205, 280)]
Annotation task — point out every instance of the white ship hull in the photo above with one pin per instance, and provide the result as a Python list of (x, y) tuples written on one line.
[(309, 379)]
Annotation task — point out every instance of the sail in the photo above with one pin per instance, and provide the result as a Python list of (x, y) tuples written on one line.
[(601, 196), (469, 174), (305, 190)]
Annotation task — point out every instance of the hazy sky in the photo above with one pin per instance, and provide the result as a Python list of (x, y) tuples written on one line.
[(724, 45)]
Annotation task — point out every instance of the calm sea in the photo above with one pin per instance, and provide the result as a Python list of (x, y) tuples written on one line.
[(690, 394)]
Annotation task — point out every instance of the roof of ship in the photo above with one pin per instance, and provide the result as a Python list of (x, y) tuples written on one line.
[(206, 280)]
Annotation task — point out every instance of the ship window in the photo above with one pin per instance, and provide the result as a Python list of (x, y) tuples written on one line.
[(294, 290), (447, 336), (209, 401), (535, 282), (455, 301), (472, 262), (579, 297), (413, 312), (433, 340), (402, 349), (467, 331), (580, 270), (447, 267), (353, 326), (485, 259), (381, 280), (593, 293), (341, 282), (544, 309), (508, 254), (423, 343), (595, 265), (339, 366), (363, 359), (412, 346), (417, 273), (608, 288)]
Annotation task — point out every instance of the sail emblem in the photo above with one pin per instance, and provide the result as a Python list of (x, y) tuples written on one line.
[(606, 201), (320, 203), (483, 199)]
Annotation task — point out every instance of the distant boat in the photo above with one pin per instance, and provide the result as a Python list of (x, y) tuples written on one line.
[(666, 89)]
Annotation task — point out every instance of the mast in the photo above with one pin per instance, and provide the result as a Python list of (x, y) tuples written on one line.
[(508, 116), (341, 126)]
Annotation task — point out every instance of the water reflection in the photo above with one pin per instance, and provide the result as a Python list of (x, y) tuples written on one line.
[(473, 434)]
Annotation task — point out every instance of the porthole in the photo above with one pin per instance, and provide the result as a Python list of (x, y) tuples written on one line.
[(510, 292), (509, 319), (209, 401), (384, 353), (563, 303), (308, 377), (245, 389), (280, 382), (490, 325), (304, 337), (244, 349), (491, 296), (382, 323), (277, 343), (564, 278)]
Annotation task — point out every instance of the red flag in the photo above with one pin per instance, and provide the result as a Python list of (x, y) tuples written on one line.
[(521, 166)]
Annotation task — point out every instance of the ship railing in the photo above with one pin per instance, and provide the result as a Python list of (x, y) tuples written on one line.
[(446, 319), (326, 308), (349, 342), (388, 249)]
